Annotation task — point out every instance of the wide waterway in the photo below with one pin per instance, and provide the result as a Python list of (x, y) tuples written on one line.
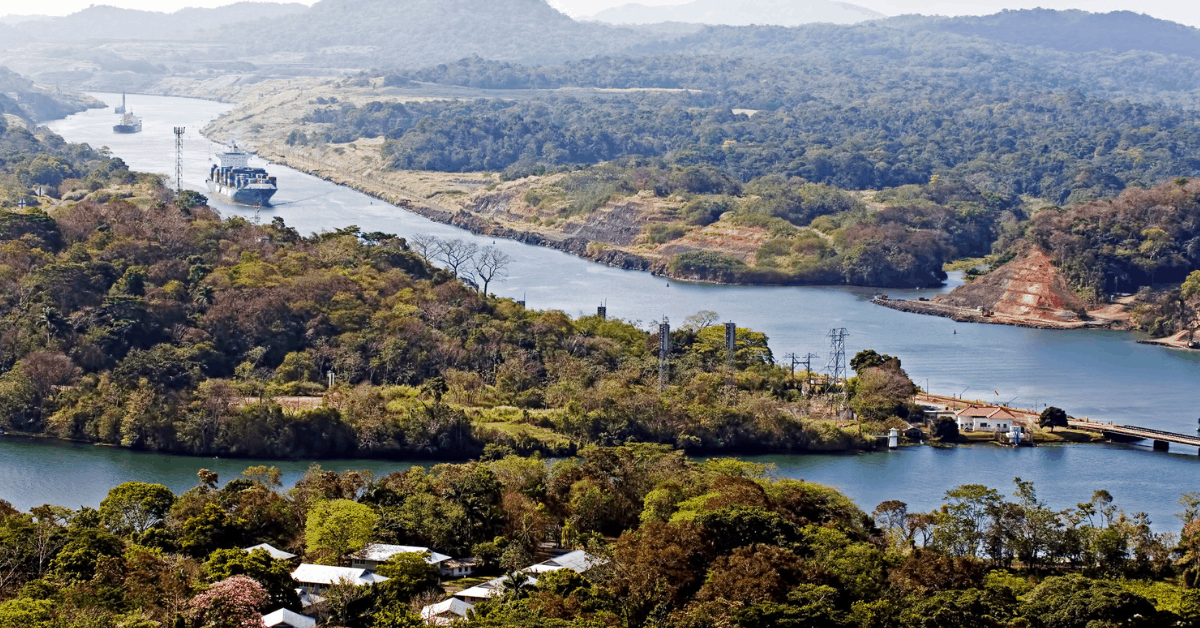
[(1103, 375)]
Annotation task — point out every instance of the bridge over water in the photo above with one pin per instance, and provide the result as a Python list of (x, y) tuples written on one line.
[(1162, 440)]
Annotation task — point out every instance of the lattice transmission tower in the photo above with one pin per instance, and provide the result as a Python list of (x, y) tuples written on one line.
[(837, 356)]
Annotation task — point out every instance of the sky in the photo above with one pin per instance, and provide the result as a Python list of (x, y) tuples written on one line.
[(1183, 11)]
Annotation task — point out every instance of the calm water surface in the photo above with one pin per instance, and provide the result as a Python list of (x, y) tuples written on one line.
[(1103, 375)]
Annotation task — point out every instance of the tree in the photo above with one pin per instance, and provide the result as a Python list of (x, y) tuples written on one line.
[(425, 245), (881, 392), (274, 575), (963, 525), (397, 617), (869, 358), (409, 576), (1074, 601), (208, 530), (338, 527), (230, 603), (134, 507), (456, 253), (25, 613), (491, 264), (892, 517), (1053, 417)]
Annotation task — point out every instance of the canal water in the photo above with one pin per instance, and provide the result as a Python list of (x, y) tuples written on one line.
[(1102, 375)]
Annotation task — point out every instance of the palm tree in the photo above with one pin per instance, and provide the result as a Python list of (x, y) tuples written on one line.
[(516, 585)]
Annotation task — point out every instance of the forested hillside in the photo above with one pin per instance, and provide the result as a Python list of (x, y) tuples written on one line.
[(855, 107), (670, 543), (1073, 30), (134, 317)]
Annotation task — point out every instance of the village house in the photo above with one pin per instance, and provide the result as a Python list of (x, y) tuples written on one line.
[(458, 567), (375, 554), (986, 419), (447, 612), (578, 561), (283, 618), (275, 553), (314, 579)]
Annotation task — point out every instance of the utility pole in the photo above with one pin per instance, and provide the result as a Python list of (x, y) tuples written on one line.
[(792, 357), (179, 159), (731, 361), (664, 353), (808, 358)]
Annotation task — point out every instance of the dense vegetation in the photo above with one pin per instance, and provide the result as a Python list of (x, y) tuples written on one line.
[(855, 107), (681, 544), (133, 317), (812, 233)]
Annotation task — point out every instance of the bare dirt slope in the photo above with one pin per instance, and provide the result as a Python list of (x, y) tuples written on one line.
[(1028, 291)]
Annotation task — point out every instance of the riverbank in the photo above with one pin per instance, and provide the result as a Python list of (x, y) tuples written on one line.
[(647, 229)]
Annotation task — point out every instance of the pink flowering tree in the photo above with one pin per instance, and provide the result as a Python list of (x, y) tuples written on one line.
[(230, 603)]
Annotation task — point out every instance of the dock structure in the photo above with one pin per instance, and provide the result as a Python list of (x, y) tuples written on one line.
[(1162, 440)]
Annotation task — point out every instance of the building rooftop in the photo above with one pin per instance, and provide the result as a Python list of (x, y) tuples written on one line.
[(380, 552), (284, 617), (273, 551), (578, 561), (985, 412), (446, 612), (329, 575)]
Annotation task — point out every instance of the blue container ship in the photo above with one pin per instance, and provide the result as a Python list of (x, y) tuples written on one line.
[(234, 179)]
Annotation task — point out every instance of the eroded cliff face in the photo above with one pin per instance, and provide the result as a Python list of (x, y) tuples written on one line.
[(1029, 287), (1028, 291)]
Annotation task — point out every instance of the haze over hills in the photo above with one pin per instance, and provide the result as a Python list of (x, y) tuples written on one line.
[(1072, 31), (109, 22), (413, 33), (745, 13)]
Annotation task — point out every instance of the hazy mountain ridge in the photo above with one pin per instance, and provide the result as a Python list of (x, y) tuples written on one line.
[(770, 12), (1071, 30), (414, 33), (109, 22)]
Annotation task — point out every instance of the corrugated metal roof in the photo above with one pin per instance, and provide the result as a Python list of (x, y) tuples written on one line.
[(273, 551), (284, 616), (329, 575), (380, 552)]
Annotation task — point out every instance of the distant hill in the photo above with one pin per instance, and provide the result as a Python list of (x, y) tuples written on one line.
[(414, 33), (745, 13), (107, 22), (20, 97), (1071, 31)]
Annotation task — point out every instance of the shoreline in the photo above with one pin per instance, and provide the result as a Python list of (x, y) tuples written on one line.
[(967, 315)]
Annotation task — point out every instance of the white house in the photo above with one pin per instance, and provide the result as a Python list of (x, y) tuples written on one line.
[(985, 419), (446, 612), (317, 578), (458, 567), (483, 591), (275, 553), (375, 554), (287, 619), (578, 561)]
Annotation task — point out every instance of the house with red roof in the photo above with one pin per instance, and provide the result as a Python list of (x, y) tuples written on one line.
[(986, 419)]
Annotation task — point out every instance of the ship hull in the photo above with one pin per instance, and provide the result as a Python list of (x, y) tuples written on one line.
[(127, 128), (246, 196)]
